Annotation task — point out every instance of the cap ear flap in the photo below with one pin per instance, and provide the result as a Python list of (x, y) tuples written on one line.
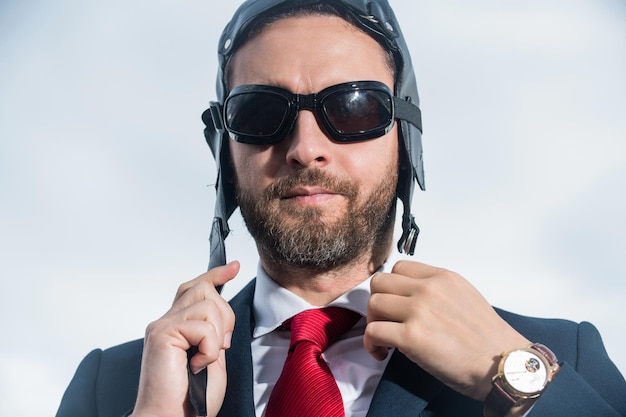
[(225, 196), (415, 153), (405, 187), (212, 119)]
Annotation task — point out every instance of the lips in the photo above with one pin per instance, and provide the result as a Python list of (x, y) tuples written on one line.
[(307, 191), (309, 185)]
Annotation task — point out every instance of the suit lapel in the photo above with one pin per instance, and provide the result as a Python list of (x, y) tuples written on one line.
[(239, 399), (404, 390)]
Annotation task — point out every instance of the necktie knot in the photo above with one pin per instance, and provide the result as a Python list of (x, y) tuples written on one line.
[(321, 326), (306, 387)]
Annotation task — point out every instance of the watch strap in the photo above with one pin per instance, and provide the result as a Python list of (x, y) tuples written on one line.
[(498, 401), (547, 353)]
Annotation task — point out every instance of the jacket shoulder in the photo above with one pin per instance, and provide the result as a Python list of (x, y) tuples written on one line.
[(119, 372), (559, 335), (105, 382)]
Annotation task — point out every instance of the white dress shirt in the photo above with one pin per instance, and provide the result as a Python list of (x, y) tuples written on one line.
[(356, 372)]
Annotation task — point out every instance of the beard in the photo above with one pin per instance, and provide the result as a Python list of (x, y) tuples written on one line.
[(300, 237)]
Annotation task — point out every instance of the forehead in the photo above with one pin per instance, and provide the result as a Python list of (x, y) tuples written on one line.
[(309, 49)]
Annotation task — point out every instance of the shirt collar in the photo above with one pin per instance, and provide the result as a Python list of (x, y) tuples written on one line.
[(274, 304)]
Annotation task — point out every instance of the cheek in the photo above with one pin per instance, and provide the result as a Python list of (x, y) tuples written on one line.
[(252, 165), (373, 160)]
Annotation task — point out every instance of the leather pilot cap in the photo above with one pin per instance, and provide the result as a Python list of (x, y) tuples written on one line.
[(374, 17)]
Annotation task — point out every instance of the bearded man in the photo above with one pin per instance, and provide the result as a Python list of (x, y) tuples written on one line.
[(317, 133)]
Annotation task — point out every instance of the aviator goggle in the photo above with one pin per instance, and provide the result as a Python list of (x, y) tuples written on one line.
[(348, 112)]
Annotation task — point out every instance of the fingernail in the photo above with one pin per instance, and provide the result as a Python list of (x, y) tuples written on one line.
[(381, 353), (227, 338)]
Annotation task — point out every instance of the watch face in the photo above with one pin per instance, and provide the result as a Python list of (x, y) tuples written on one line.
[(525, 371)]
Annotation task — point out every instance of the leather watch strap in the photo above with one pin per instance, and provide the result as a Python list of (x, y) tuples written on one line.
[(498, 402), (547, 353)]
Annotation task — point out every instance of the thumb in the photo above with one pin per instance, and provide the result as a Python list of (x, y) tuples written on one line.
[(217, 276), (222, 274)]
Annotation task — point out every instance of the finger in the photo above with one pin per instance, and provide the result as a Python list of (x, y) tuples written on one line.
[(217, 311), (205, 336), (216, 380), (380, 336), (202, 288), (414, 269), (215, 277), (208, 352), (389, 283), (180, 335), (388, 307), (225, 273)]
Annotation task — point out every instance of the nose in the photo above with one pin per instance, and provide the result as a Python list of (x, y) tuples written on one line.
[(308, 145)]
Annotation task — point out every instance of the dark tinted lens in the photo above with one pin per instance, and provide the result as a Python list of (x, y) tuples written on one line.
[(359, 111), (255, 113)]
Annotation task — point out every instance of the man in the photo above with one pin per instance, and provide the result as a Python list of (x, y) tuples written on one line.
[(316, 133)]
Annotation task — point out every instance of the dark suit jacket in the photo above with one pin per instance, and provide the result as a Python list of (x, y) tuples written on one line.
[(589, 384)]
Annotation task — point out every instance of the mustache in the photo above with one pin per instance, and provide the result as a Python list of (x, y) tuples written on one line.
[(310, 177)]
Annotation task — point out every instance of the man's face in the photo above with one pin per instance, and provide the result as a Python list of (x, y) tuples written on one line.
[(309, 201)]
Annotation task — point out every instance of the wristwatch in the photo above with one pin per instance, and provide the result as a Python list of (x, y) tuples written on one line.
[(523, 374)]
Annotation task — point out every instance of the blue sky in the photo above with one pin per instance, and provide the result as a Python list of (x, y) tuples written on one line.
[(106, 183)]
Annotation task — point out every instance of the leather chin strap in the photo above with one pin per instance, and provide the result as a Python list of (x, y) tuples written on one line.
[(410, 232), (219, 231), (197, 386)]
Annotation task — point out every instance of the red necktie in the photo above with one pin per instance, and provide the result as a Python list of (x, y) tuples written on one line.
[(306, 387)]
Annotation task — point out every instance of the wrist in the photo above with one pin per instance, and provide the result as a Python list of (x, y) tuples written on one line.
[(522, 376)]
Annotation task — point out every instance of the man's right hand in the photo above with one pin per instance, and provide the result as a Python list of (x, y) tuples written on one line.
[(198, 317)]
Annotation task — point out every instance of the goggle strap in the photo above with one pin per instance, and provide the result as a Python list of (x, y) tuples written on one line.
[(405, 110), (216, 113)]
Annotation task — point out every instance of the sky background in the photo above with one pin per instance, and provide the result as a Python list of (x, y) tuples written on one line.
[(106, 184)]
